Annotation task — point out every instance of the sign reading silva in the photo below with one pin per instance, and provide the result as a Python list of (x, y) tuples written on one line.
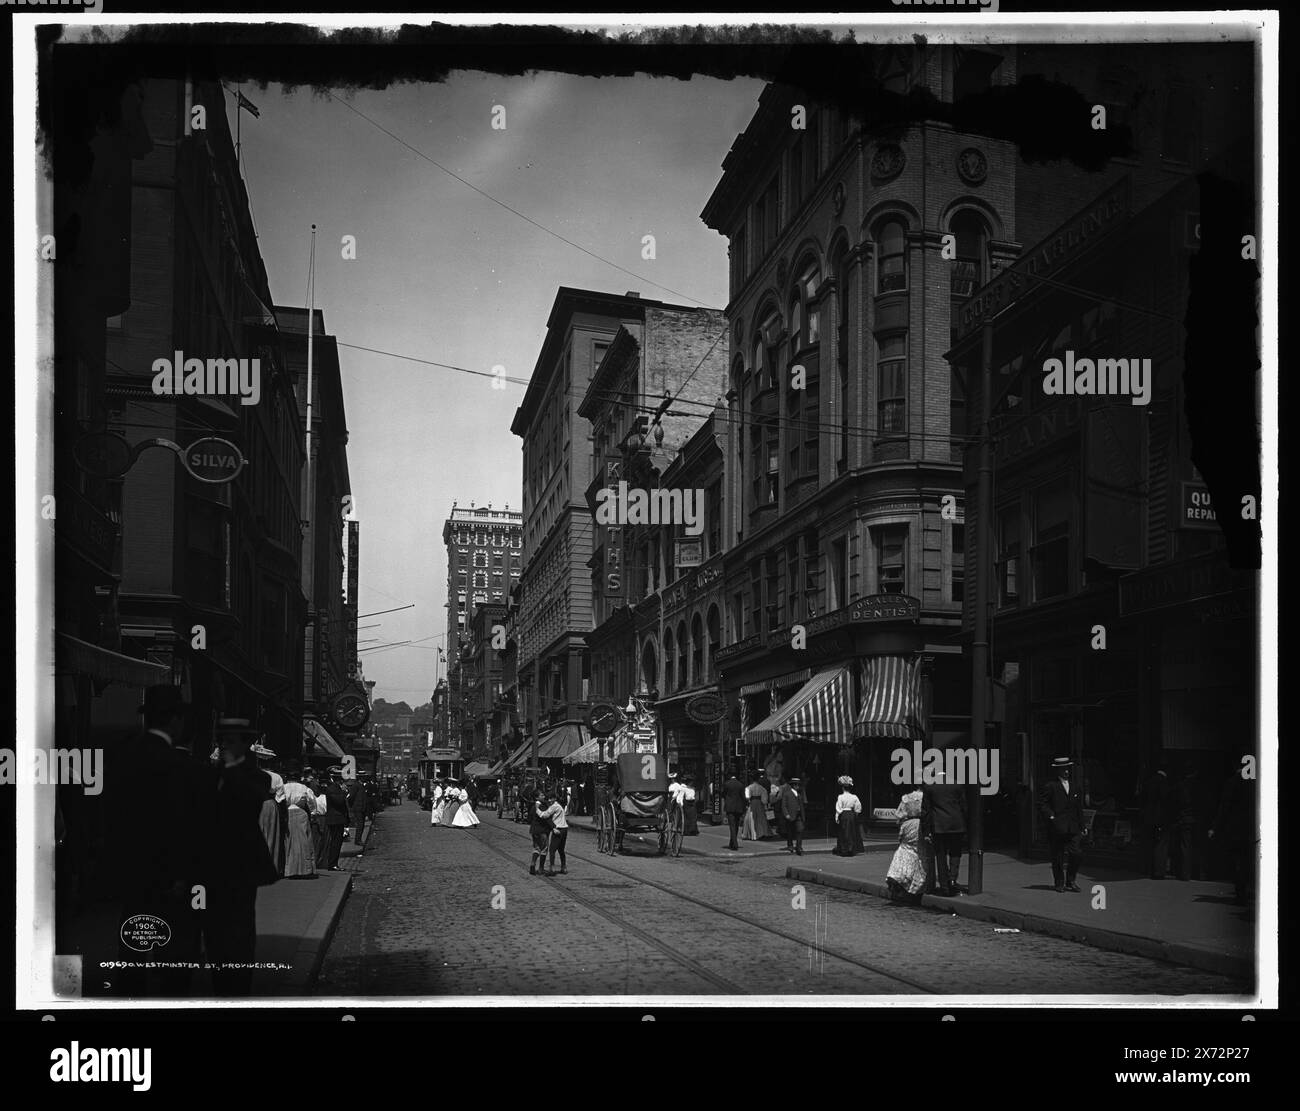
[(213, 459)]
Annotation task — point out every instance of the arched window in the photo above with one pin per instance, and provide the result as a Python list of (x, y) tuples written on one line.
[(668, 660), (891, 260), (682, 677), (970, 271), (697, 650), (649, 667), (714, 624)]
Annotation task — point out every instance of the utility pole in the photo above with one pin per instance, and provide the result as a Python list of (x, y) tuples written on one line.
[(983, 576)]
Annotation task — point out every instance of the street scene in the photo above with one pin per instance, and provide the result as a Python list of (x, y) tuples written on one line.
[(607, 519)]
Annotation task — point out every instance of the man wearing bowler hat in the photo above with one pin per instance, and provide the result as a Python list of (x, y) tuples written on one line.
[(793, 813), (1061, 805), (336, 816), (239, 861)]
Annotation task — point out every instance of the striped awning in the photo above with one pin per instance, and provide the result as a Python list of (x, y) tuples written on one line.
[(615, 745), (554, 744), (73, 655), (821, 712), (315, 732), (891, 699)]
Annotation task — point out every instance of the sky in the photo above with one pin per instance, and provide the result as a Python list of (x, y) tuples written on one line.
[(444, 274)]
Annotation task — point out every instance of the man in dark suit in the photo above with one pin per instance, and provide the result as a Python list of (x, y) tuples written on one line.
[(157, 832), (733, 805), (239, 861), (792, 815), (943, 820), (1061, 805), (336, 817)]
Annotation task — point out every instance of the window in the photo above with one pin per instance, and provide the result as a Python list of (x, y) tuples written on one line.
[(957, 573), (598, 354), (970, 270), (480, 580), (957, 410), (480, 559), (481, 539), (805, 320), (842, 354), (697, 650), (683, 678), (668, 660), (1008, 561), (891, 551), (713, 513), (891, 264), (1051, 549), (838, 582), (498, 560), (739, 269), (772, 590), (891, 400), (714, 626), (755, 624), (766, 218)]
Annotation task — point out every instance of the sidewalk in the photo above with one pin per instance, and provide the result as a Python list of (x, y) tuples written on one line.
[(1192, 923), (295, 922)]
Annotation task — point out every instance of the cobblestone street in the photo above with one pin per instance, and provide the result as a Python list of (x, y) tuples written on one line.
[(421, 922)]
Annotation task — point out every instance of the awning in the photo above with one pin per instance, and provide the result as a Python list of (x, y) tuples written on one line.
[(615, 744), (476, 769), (554, 744), (821, 711), (891, 700), (73, 655), (315, 732)]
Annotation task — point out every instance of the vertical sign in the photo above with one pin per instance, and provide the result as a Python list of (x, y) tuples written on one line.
[(353, 589), (614, 587)]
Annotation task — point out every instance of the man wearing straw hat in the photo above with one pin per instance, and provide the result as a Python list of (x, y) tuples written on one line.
[(1061, 805)]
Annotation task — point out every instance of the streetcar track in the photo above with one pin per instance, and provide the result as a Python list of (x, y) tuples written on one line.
[(667, 950), (742, 918)]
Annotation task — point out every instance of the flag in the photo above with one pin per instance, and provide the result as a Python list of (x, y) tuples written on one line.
[(244, 102)]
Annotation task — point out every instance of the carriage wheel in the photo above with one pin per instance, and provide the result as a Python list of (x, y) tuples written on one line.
[(601, 830), (663, 836)]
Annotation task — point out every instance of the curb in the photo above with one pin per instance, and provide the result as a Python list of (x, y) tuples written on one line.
[(1174, 952), (316, 941)]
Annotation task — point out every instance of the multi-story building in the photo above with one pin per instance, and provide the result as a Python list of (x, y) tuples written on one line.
[(649, 636), (210, 569), (1120, 629), (844, 572), (328, 668), (484, 560), (482, 674), (555, 605)]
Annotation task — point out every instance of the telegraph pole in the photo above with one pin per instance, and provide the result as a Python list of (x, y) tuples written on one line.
[(983, 576)]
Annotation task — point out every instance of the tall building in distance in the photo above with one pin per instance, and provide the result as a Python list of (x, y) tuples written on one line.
[(484, 557), (484, 560)]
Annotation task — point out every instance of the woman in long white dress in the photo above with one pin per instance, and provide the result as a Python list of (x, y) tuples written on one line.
[(465, 817), (435, 810), (451, 804)]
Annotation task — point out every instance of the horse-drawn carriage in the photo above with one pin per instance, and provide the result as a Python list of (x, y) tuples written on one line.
[(636, 799)]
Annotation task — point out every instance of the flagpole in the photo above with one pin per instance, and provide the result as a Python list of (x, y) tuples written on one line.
[(311, 328)]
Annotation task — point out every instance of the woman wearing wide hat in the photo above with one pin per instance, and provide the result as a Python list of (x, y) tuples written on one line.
[(848, 809), (1061, 804), (273, 817)]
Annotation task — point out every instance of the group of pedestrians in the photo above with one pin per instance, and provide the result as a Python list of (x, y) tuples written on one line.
[(454, 805), (752, 809), (190, 842)]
